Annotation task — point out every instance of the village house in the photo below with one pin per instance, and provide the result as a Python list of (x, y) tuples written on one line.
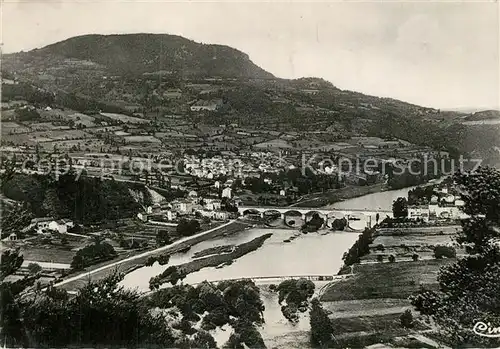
[(47, 223), (41, 223), (12, 237), (61, 225), (172, 93), (449, 207), (215, 215), (183, 206), (418, 212), (168, 215), (212, 204), (143, 216), (226, 192), (203, 105)]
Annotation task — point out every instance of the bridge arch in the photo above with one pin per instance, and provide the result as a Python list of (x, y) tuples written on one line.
[(334, 220), (250, 211), (358, 220), (308, 216), (293, 218), (272, 212), (273, 217)]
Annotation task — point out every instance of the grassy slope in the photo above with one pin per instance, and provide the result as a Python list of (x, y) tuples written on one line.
[(385, 280)]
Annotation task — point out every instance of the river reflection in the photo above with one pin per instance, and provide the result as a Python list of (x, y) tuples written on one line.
[(308, 254)]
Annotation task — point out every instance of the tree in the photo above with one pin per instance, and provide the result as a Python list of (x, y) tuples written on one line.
[(400, 208), (441, 251), (203, 340), (296, 293), (34, 268), (14, 219), (92, 254), (468, 289), (406, 319), (321, 326), (188, 227), (11, 261), (245, 334), (163, 237), (380, 258), (392, 259), (102, 312), (360, 248)]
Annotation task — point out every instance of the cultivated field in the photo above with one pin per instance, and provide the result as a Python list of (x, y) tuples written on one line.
[(141, 139), (125, 118), (412, 240), (13, 127), (386, 280), (89, 144)]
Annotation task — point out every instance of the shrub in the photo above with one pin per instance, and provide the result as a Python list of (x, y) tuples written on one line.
[(34, 268), (188, 227), (150, 261), (392, 259), (441, 251), (406, 319), (218, 317), (379, 247), (321, 326), (380, 258), (414, 257)]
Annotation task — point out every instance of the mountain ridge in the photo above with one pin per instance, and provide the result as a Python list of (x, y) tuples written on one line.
[(146, 52)]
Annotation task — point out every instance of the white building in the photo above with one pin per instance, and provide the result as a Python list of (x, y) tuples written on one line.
[(203, 105), (419, 212), (182, 206), (12, 237), (226, 193), (41, 223), (216, 215), (212, 204), (142, 216), (61, 225)]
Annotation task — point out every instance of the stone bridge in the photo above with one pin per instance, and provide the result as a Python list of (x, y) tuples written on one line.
[(305, 213)]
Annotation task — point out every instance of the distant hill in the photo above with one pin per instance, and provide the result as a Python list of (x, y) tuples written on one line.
[(141, 53), (484, 115), (131, 73)]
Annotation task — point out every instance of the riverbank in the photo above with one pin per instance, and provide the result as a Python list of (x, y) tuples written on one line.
[(216, 260), (134, 262), (338, 195), (365, 309)]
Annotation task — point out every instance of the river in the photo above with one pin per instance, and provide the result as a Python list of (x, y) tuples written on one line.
[(311, 254)]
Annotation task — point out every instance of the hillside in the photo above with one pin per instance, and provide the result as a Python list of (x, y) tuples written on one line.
[(139, 53), (484, 115), (155, 76)]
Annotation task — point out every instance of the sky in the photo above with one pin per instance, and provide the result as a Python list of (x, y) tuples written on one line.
[(437, 54)]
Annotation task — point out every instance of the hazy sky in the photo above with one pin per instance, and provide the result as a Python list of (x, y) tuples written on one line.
[(444, 55)]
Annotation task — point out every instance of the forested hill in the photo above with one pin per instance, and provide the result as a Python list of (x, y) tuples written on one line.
[(86, 200), (140, 53)]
